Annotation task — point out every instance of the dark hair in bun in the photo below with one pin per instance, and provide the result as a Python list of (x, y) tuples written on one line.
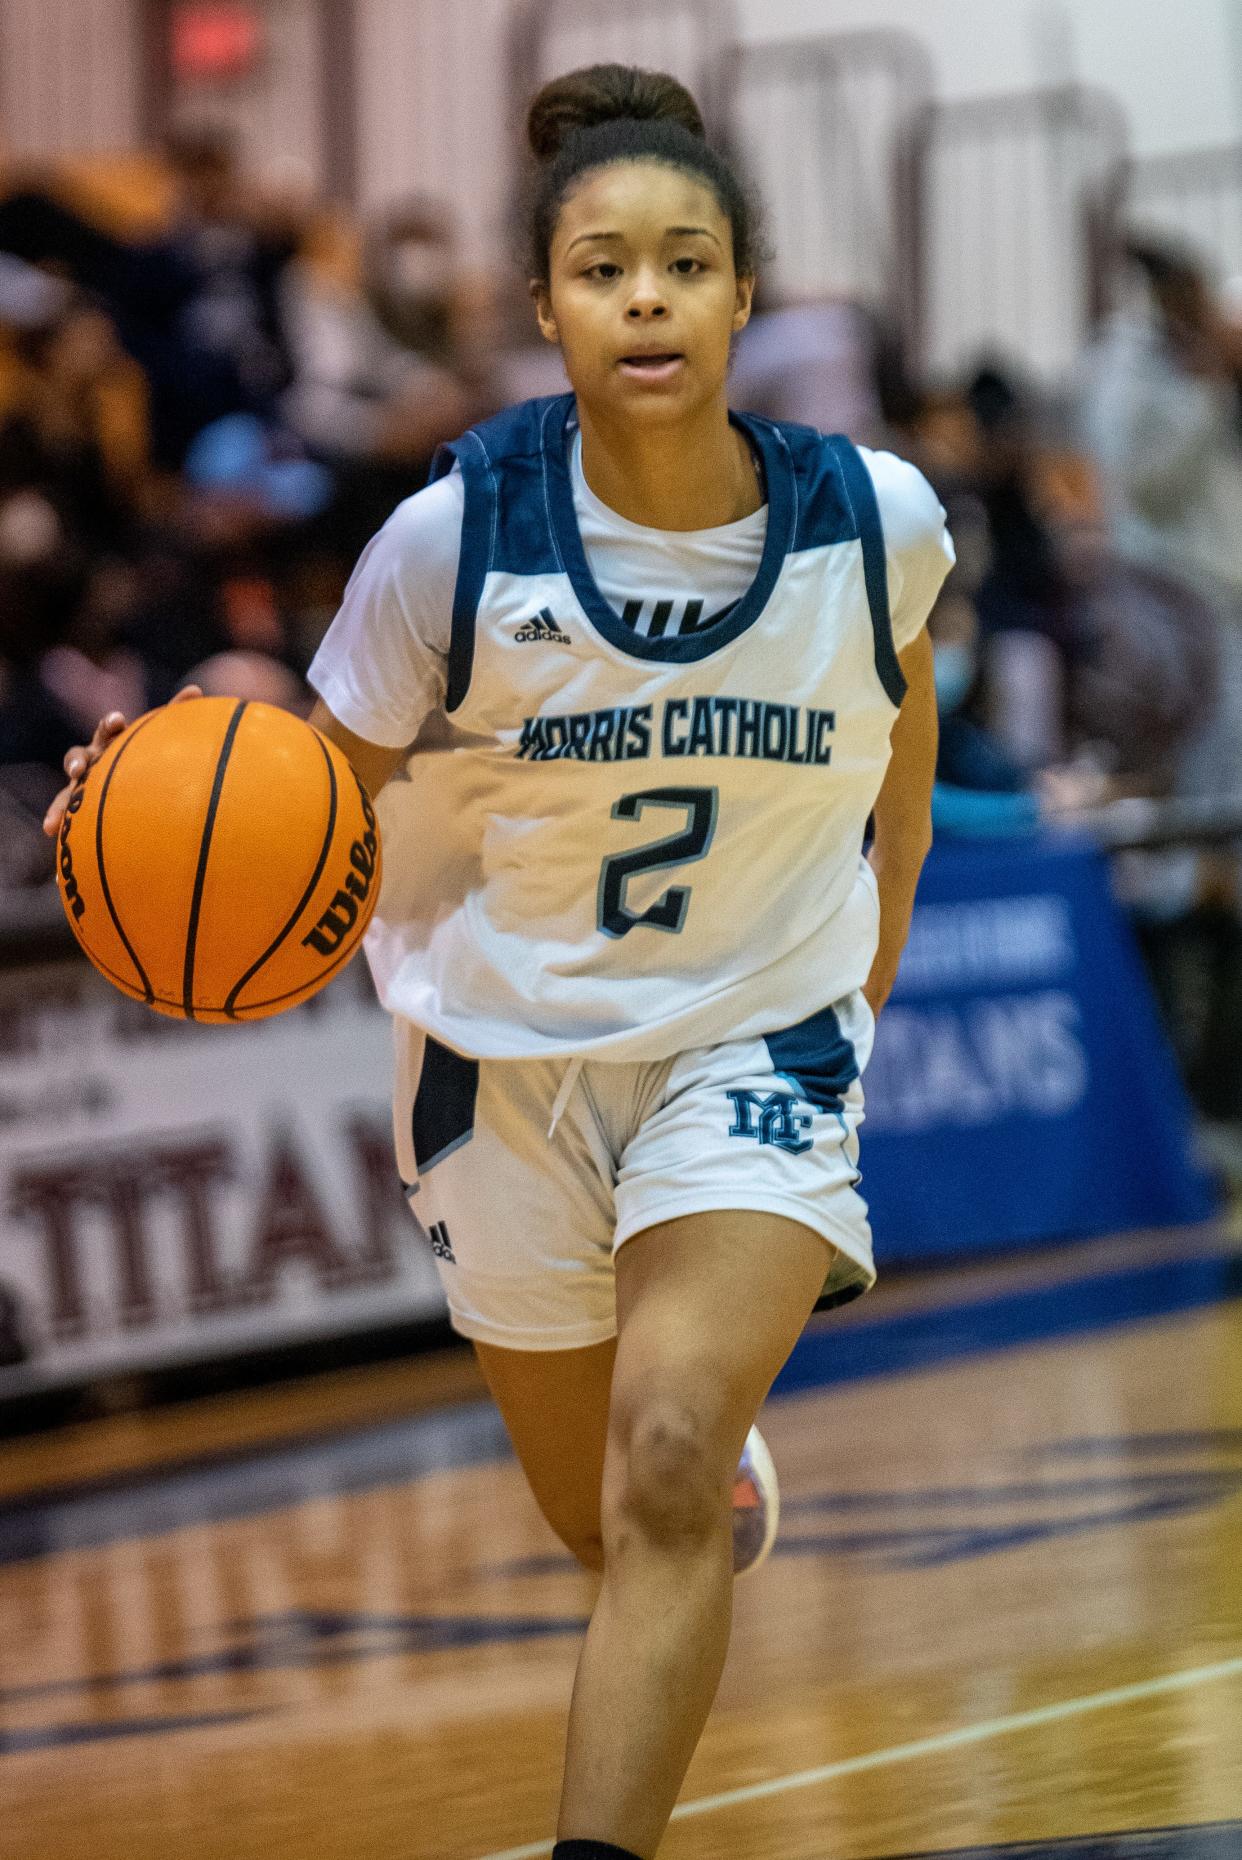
[(606, 94), (605, 113)]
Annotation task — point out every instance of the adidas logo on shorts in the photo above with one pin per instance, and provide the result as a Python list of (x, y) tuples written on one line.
[(441, 1245), (542, 627)]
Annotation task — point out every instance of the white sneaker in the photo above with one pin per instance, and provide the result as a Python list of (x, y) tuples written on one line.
[(756, 1505)]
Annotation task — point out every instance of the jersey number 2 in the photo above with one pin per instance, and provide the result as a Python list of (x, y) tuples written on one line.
[(668, 912)]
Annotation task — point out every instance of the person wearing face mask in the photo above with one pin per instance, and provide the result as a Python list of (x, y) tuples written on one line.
[(383, 367), (979, 791), (956, 668)]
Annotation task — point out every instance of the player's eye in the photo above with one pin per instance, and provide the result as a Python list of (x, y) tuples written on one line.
[(686, 266), (604, 269)]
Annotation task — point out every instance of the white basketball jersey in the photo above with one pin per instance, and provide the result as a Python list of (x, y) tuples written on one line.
[(628, 845)]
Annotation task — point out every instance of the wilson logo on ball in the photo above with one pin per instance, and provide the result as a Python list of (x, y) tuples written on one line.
[(342, 912), (74, 901)]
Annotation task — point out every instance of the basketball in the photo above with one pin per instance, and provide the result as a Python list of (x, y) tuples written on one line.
[(220, 861)]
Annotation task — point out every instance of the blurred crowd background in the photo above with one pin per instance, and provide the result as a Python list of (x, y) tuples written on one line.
[(217, 377)]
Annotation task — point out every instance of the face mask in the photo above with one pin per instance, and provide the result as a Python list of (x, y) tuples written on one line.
[(419, 269), (954, 675)]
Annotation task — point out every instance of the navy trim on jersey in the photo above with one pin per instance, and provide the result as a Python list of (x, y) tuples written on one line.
[(509, 531), (678, 647), (520, 519), (870, 531), (825, 509), (478, 526), (817, 1057)]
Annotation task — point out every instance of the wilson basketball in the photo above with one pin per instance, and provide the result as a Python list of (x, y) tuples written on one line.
[(220, 861)]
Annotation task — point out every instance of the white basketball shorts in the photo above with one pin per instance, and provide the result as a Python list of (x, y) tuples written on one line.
[(528, 1175)]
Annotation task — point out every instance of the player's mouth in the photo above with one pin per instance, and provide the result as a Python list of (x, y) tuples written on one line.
[(653, 368)]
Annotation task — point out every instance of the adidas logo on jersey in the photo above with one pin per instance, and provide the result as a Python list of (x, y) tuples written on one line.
[(543, 627)]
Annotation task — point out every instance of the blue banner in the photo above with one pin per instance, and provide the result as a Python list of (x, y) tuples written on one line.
[(1021, 1088)]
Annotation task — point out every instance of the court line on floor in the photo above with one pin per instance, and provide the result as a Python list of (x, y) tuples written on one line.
[(931, 1746)]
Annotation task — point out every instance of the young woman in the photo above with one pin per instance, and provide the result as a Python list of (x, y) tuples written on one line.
[(659, 663)]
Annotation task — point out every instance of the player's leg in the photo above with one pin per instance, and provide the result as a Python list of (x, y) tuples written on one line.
[(554, 1404), (709, 1307), (522, 1231)]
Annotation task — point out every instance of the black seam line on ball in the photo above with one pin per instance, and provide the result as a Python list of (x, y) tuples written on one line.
[(148, 991), (305, 898), (244, 1016), (274, 1002), (200, 877)]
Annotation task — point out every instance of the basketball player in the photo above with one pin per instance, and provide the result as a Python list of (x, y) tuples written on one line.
[(659, 663)]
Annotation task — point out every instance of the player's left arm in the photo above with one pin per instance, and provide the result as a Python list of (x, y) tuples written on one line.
[(903, 830)]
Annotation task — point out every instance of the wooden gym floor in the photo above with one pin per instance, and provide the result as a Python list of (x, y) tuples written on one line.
[(1004, 1614)]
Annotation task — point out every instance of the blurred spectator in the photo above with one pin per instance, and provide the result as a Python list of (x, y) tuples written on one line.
[(394, 351), (1161, 411), (1145, 674), (144, 286), (813, 363), (1162, 418), (253, 676), (412, 275), (390, 357), (981, 440), (205, 412), (258, 467), (1161, 415), (73, 421), (233, 244), (92, 670), (982, 788), (197, 305), (979, 790), (35, 728)]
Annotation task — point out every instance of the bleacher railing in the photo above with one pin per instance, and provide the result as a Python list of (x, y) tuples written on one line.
[(1011, 191), (1196, 195), (688, 38), (821, 124)]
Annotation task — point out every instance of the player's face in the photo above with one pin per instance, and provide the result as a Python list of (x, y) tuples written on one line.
[(643, 297)]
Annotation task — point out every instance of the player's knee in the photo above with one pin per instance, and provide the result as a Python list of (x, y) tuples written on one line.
[(674, 1491)]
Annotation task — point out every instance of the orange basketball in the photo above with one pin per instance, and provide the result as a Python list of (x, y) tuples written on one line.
[(220, 861)]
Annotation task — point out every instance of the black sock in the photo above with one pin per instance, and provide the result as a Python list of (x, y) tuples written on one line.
[(591, 1850)]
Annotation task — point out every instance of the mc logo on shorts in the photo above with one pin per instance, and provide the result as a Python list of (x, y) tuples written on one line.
[(770, 1119)]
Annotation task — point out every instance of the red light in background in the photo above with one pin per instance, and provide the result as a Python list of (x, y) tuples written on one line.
[(214, 40)]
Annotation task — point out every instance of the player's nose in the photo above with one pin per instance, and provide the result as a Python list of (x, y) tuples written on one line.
[(647, 299)]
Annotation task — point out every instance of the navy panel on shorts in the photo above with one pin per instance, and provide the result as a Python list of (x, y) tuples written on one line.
[(816, 1055), (443, 1115)]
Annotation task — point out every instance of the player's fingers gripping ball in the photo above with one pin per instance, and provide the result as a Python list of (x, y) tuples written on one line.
[(220, 861)]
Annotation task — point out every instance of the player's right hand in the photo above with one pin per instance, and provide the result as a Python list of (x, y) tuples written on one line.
[(83, 756)]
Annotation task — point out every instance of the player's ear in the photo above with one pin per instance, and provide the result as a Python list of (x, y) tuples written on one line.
[(742, 302), (541, 297)]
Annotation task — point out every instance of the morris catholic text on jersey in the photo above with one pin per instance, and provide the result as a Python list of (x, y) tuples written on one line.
[(689, 726)]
